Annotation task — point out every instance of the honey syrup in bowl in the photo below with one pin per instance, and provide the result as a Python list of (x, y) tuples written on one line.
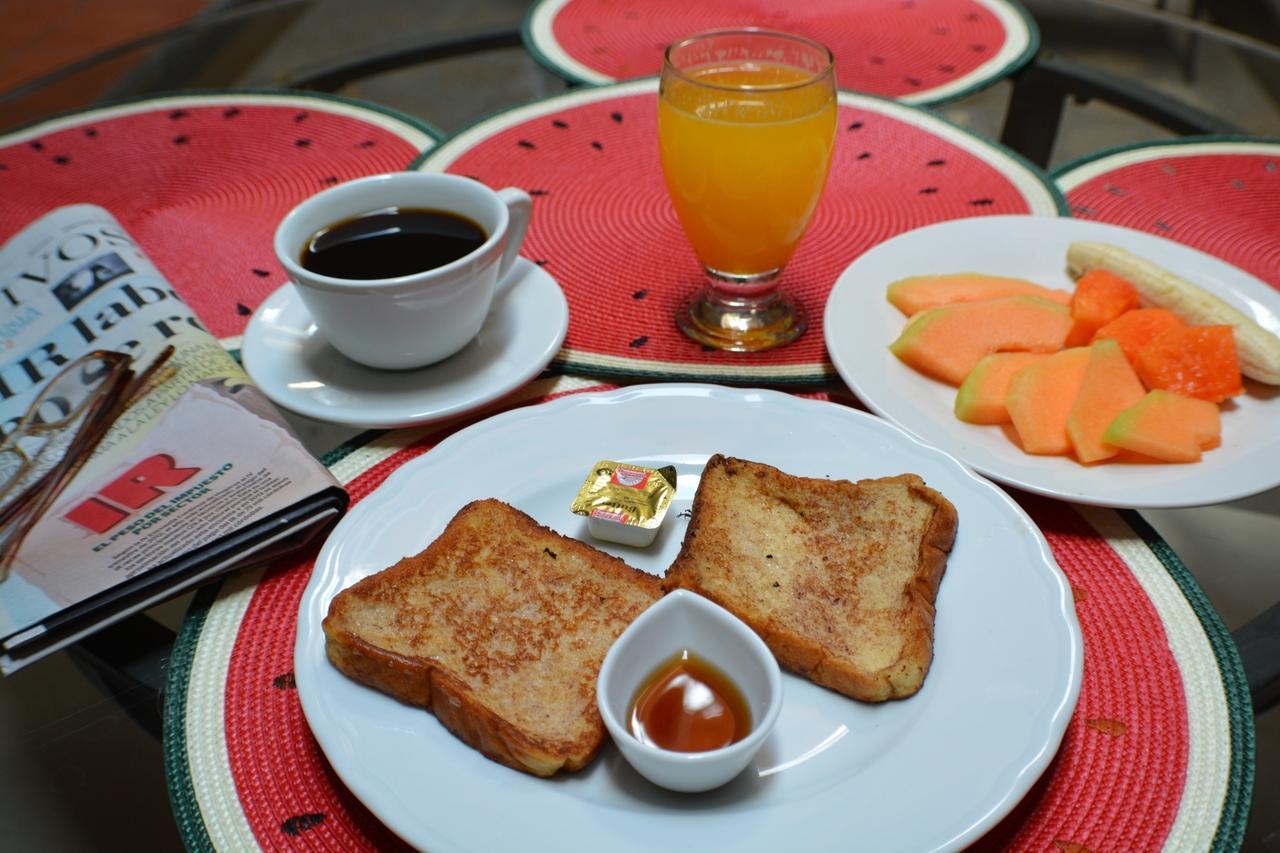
[(687, 704)]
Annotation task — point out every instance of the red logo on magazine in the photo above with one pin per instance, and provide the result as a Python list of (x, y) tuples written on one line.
[(129, 492)]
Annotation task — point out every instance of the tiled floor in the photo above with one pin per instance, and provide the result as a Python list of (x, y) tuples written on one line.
[(80, 775)]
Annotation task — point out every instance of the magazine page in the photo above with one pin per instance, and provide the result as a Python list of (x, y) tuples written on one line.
[(202, 455)]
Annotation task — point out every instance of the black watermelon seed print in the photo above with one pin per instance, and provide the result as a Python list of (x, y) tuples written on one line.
[(596, 145), (537, 192), (302, 143), (946, 69), (542, 262), (524, 143), (1270, 165), (261, 273), (938, 162), (1115, 190), (640, 294), (177, 114), (876, 60), (1082, 210), (180, 140), (617, 117), (971, 17), (1236, 183), (911, 81), (284, 682), (368, 143), (329, 181), (302, 116), (855, 125), (91, 132), (982, 202), (977, 48), (928, 190), (636, 343), (3, 167), (37, 145), (62, 159), (299, 824), (231, 112), (865, 155), (244, 311), (560, 124), (1163, 226)]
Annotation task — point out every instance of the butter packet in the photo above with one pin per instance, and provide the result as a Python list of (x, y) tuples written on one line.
[(625, 503)]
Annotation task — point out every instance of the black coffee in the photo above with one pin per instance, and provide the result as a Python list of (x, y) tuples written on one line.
[(392, 242)]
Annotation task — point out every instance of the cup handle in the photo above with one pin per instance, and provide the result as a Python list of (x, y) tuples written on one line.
[(519, 209)]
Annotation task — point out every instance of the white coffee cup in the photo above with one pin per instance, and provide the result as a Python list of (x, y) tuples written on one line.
[(411, 320)]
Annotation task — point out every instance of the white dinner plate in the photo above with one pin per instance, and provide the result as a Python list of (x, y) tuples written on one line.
[(289, 359), (860, 324), (930, 772)]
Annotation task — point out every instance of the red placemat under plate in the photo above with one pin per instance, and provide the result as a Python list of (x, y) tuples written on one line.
[(1220, 195), (201, 180), (604, 228), (1158, 754), (917, 51)]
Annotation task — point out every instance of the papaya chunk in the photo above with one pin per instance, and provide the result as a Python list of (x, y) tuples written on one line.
[(1099, 298), (1166, 426), (1040, 399), (1110, 386), (1134, 329), (1194, 361), (947, 342), (922, 292)]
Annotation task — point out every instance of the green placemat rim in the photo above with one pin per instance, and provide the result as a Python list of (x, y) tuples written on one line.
[(182, 796), (1235, 810), (1014, 65), (1058, 172)]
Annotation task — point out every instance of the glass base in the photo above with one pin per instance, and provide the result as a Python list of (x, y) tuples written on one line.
[(741, 323)]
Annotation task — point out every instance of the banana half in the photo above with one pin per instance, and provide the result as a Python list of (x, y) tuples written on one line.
[(1257, 349)]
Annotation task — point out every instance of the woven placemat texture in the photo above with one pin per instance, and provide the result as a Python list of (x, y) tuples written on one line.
[(1158, 754), (919, 51), (1218, 195), (604, 228), (200, 181)]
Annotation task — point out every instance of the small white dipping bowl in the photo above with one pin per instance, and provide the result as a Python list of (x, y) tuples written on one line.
[(685, 620)]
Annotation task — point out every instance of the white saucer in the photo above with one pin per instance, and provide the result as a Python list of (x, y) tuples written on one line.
[(287, 357)]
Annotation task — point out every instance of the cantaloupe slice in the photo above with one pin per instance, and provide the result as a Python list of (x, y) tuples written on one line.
[(1166, 426), (1040, 399), (1109, 387), (1099, 298), (947, 342), (1194, 361), (980, 399), (922, 292), (1134, 329)]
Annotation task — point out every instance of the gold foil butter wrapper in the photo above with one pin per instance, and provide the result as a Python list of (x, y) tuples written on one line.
[(625, 503)]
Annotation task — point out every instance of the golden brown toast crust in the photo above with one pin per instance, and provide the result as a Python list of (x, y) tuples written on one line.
[(838, 578), (499, 628)]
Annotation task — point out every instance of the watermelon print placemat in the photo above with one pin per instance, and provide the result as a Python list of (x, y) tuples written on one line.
[(1217, 194), (1159, 753), (604, 228), (202, 180), (916, 51)]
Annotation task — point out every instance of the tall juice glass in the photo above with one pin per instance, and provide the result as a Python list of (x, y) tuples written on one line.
[(746, 123)]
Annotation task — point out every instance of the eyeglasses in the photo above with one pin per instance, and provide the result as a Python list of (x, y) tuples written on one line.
[(59, 432)]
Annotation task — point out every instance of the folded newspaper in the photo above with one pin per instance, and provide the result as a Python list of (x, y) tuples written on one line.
[(199, 476)]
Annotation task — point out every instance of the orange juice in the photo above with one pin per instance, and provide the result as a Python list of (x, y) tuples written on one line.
[(745, 151)]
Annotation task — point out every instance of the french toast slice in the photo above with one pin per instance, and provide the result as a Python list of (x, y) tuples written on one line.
[(839, 578), (499, 628)]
